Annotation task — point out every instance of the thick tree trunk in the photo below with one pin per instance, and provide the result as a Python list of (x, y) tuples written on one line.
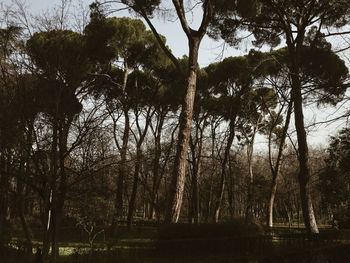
[(294, 47), (303, 154), (178, 175)]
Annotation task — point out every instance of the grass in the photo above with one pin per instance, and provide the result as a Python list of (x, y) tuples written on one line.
[(229, 242)]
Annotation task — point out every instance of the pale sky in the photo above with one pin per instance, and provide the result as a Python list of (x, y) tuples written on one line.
[(210, 51)]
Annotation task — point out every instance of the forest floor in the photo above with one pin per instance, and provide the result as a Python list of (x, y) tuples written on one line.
[(146, 244)]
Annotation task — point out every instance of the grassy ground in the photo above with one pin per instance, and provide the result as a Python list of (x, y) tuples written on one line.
[(208, 243)]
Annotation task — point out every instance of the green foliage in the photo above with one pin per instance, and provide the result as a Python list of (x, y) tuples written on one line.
[(335, 179), (266, 19), (60, 54), (133, 49), (234, 229), (9, 40), (322, 72), (228, 81), (62, 65), (146, 7)]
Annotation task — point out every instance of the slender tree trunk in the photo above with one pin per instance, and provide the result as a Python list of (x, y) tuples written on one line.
[(123, 152), (50, 192), (139, 141), (249, 215), (156, 165), (221, 191), (213, 173), (3, 197), (178, 175), (230, 190), (276, 170), (20, 207), (122, 167), (196, 163), (195, 195), (62, 188), (134, 187)]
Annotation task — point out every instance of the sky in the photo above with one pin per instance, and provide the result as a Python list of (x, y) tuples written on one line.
[(210, 51)]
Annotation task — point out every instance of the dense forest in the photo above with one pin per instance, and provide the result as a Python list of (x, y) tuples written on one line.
[(102, 127)]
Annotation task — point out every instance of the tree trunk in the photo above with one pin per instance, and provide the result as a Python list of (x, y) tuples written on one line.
[(178, 175), (20, 207), (3, 198), (60, 197), (134, 188), (123, 151), (230, 190), (156, 165), (303, 154), (276, 170), (220, 195), (196, 164), (51, 191), (294, 47), (249, 216)]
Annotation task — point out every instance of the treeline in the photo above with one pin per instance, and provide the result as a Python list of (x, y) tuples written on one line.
[(103, 126)]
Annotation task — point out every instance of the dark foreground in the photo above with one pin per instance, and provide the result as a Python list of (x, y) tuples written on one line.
[(208, 243)]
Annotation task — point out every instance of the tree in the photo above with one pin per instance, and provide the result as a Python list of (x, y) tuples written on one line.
[(61, 66), (335, 178), (292, 20), (259, 103), (145, 9), (230, 80), (9, 117), (320, 68), (127, 39)]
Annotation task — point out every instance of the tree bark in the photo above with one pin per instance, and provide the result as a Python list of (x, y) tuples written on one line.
[(134, 188), (139, 141), (276, 170), (295, 44), (231, 189), (249, 214), (123, 152), (156, 165), (50, 192), (196, 169), (3, 197), (303, 155), (221, 191), (178, 176)]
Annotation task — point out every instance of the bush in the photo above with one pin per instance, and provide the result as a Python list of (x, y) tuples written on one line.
[(235, 237), (233, 229)]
